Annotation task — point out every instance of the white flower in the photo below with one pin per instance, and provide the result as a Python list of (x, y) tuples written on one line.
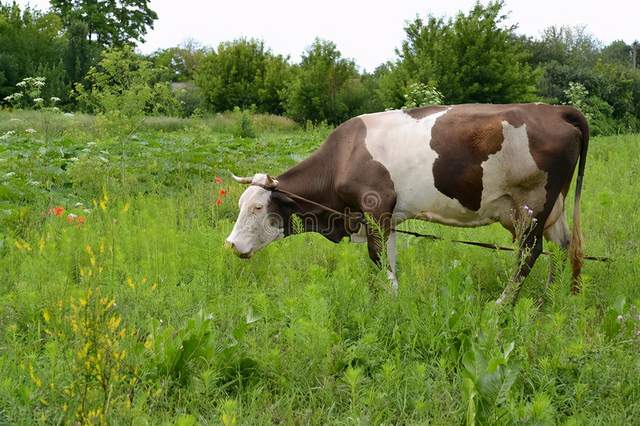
[(8, 135), (78, 204), (72, 216), (69, 114), (54, 99), (620, 318), (23, 83), (8, 175), (34, 183), (38, 100), (30, 130)]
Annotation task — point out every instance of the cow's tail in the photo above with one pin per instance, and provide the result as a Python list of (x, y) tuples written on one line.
[(576, 253)]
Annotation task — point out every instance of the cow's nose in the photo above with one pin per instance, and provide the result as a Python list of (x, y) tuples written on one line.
[(230, 245)]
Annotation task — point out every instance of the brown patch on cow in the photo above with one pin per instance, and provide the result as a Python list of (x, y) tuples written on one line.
[(463, 142), (422, 112)]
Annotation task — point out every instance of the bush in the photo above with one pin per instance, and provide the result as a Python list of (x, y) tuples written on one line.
[(244, 125), (126, 83), (190, 98), (597, 111), (419, 94)]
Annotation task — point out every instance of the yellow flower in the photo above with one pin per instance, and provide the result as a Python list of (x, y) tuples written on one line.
[(45, 315), (130, 283)]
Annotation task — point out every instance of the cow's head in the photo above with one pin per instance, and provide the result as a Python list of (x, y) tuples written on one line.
[(264, 217)]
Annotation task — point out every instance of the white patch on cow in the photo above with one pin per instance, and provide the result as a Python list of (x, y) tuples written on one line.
[(402, 144), (255, 227), (511, 178)]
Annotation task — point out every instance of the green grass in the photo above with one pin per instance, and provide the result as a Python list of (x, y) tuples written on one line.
[(139, 315)]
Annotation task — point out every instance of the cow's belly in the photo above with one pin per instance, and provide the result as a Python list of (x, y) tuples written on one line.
[(402, 145)]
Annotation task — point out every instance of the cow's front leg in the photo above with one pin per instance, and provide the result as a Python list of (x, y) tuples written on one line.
[(391, 258), (527, 256), (379, 236)]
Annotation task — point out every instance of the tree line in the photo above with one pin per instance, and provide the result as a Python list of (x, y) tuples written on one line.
[(83, 47)]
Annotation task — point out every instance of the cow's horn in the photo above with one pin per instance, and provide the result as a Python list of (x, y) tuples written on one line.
[(245, 180), (271, 183)]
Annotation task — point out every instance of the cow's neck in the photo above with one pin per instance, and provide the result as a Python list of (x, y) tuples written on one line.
[(314, 179)]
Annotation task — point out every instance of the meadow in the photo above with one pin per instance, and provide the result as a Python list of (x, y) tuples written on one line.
[(119, 304)]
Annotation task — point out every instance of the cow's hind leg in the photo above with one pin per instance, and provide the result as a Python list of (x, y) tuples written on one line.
[(557, 233), (530, 249)]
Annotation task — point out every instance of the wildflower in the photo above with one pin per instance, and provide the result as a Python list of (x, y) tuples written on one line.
[(8, 135), (38, 100), (54, 99), (81, 220), (223, 192), (71, 218), (8, 175), (219, 201), (69, 114), (218, 180), (30, 130), (620, 318), (528, 210), (57, 211)]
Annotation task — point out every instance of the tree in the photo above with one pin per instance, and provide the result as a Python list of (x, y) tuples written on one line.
[(243, 73), (180, 61), (31, 45), (471, 58), (109, 22), (319, 89)]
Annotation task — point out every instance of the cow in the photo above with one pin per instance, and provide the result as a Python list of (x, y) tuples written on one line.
[(463, 165)]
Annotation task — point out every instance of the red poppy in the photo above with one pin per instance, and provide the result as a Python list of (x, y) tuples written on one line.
[(71, 218), (218, 180), (57, 211), (81, 220), (223, 192), (219, 201)]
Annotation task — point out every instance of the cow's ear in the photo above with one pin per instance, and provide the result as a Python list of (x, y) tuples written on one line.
[(283, 201)]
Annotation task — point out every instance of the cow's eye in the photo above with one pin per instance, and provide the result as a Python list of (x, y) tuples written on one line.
[(258, 207)]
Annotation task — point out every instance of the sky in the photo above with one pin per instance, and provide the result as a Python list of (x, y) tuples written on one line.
[(366, 31)]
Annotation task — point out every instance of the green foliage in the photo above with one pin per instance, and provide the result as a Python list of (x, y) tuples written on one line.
[(30, 45), (470, 58), (181, 62), (243, 73), (110, 23), (323, 87), (419, 94), (126, 84), (244, 127)]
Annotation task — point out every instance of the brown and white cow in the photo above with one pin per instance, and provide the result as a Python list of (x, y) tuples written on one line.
[(462, 165)]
